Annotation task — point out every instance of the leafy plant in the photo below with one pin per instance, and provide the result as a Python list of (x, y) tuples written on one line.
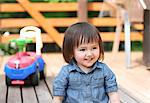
[(7, 49)]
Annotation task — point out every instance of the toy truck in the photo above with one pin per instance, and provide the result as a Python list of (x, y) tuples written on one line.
[(26, 68)]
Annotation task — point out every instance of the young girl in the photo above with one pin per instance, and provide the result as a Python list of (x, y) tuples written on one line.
[(84, 79)]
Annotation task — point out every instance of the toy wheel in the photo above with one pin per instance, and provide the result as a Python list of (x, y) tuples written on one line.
[(42, 75), (8, 81), (35, 79)]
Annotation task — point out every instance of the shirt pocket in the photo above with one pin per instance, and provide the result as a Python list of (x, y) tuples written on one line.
[(97, 81), (75, 83)]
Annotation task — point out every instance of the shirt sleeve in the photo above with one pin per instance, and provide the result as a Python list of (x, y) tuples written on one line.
[(60, 83), (110, 80)]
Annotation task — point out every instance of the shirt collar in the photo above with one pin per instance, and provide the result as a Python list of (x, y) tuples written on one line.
[(74, 66)]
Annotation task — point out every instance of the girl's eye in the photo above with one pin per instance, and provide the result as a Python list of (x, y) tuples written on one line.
[(82, 49), (94, 48)]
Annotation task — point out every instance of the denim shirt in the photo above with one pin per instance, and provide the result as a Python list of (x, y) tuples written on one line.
[(79, 87)]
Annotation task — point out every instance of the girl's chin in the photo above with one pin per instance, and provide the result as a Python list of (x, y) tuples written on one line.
[(88, 66)]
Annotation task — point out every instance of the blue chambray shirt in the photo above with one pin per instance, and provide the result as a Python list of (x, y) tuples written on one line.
[(79, 87)]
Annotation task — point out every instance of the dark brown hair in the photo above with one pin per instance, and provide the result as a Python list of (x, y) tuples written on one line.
[(79, 33)]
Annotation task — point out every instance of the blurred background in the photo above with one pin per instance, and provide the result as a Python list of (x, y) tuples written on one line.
[(101, 13)]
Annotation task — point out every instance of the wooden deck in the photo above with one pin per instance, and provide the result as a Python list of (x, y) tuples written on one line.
[(18, 94), (134, 82)]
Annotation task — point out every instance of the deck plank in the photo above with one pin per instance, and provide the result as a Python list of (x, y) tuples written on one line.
[(29, 95), (125, 97), (3, 89), (14, 94), (49, 81), (43, 93)]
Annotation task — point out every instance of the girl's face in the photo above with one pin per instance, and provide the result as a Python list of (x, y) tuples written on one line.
[(86, 54)]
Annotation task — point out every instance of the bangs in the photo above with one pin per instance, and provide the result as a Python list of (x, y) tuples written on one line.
[(87, 37)]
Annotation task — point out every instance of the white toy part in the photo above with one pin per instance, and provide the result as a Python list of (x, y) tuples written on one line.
[(143, 4), (6, 34), (30, 32)]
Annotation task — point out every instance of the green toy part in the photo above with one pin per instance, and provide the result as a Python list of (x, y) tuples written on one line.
[(21, 43)]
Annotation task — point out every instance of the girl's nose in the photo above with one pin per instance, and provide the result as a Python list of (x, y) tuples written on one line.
[(89, 53)]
